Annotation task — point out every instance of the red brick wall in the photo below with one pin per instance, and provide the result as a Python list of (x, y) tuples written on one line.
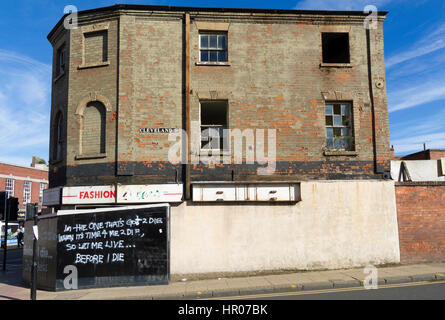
[(421, 219), (24, 173), (437, 154)]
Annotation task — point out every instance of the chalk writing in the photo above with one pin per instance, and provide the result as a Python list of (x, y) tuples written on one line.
[(95, 242)]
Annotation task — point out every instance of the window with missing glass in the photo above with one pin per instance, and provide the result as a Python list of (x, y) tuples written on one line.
[(335, 47), (213, 125), (213, 47), (339, 135)]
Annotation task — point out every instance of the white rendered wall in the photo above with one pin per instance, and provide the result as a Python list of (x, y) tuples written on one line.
[(337, 224)]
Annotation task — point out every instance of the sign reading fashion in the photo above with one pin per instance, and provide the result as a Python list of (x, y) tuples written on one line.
[(158, 130)]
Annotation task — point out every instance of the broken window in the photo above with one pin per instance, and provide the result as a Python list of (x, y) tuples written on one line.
[(213, 47), (335, 47), (338, 126), (213, 125)]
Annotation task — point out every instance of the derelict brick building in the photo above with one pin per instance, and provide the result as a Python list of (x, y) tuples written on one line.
[(130, 74)]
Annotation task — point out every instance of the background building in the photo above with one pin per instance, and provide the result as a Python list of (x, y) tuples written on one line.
[(25, 183)]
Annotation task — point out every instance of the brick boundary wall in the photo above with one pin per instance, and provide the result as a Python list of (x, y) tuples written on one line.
[(421, 220)]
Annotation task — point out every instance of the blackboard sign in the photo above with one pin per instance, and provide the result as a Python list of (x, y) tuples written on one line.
[(110, 247)]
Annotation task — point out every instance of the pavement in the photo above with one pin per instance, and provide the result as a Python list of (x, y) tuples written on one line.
[(12, 287)]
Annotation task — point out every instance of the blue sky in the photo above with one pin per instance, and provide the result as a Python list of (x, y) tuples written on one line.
[(414, 53)]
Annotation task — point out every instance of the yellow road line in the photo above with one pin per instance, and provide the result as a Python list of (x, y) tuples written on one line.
[(297, 293)]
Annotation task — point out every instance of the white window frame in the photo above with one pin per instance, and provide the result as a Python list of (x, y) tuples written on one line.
[(9, 187), (27, 193), (226, 49)]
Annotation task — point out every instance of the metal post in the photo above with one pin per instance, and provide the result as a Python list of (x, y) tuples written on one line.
[(5, 244), (34, 263)]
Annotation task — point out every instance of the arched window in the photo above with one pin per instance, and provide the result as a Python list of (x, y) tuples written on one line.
[(93, 124), (58, 137)]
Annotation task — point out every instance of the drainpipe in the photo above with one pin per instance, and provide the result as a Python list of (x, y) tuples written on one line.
[(371, 95), (187, 103)]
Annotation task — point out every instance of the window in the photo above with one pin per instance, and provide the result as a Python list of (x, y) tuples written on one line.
[(338, 126), (213, 123), (335, 47), (42, 187), (93, 129), (95, 48), (213, 47), (27, 192), (9, 188), (58, 137), (61, 60)]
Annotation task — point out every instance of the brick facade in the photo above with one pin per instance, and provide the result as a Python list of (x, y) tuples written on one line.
[(421, 219), (274, 79), (19, 175)]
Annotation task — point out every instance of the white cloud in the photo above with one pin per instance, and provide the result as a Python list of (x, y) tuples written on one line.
[(417, 95), (24, 107), (358, 5), (431, 42), (415, 143), (409, 136)]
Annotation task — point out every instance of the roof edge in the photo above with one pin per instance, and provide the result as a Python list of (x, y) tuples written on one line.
[(212, 9)]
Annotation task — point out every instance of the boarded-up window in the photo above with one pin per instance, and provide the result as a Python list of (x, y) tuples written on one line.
[(95, 47), (93, 129)]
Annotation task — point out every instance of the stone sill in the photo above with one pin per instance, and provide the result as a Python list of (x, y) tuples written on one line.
[(340, 153), (90, 156), (335, 65), (93, 65), (220, 64)]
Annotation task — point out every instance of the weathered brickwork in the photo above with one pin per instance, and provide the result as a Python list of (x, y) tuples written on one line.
[(421, 219), (274, 79)]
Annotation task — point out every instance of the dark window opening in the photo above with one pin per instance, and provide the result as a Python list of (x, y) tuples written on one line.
[(213, 124), (335, 47), (61, 61)]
